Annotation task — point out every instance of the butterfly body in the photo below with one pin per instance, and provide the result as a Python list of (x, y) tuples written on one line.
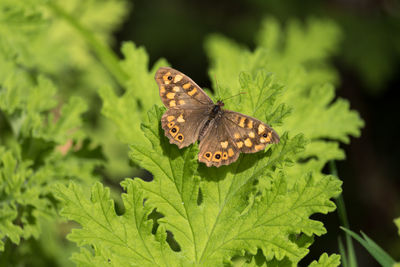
[(192, 116), (214, 116)]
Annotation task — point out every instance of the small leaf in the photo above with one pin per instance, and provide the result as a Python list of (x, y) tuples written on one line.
[(327, 261), (377, 252)]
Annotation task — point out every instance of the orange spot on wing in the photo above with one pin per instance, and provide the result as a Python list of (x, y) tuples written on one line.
[(165, 78), (162, 89), (224, 144), (179, 138), (178, 78), (191, 93), (259, 147), (241, 123), (248, 142), (170, 95), (261, 128), (174, 130), (180, 118), (207, 155), (217, 156)]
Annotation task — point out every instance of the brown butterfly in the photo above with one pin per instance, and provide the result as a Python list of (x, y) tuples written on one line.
[(192, 116)]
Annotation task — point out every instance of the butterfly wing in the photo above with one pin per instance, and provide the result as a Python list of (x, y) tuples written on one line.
[(188, 106), (232, 134), (182, 126), (249, 134), (179, 91), (217, 147)]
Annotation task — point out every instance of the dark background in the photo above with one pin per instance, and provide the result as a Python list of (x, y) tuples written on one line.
[(368, 64)]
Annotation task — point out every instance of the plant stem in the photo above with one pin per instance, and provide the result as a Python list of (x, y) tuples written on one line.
[(352, 262)]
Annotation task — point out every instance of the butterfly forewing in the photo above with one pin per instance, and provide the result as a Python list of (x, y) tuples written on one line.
[(178, 90), (188, 106)]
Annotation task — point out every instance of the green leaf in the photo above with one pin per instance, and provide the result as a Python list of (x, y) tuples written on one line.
[(31, 116), (315, 41), (46, 70), (31, 152), (377, 252), (140, 84), (127, 111), (327, 261), (7, 228), (27, 191), (221, 223), (55, 46), (397, 222), (23, 199), (309, 45), (117, 239), (262, 92)]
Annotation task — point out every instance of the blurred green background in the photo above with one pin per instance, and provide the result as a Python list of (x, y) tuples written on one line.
[(367, 64)]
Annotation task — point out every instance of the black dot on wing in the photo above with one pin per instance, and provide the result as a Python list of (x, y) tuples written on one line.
[(173, 130), (265, 135), (218, 156), (169, 78), (207, 154), (180, 137)]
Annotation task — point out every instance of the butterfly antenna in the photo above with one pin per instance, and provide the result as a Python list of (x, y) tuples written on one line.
[(216, 82), (241, 93)]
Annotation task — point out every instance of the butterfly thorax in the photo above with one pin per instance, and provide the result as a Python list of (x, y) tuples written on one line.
[(216, 109), (215, 112)]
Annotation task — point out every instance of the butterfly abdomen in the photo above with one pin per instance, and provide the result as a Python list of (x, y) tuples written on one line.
[(204, 129)]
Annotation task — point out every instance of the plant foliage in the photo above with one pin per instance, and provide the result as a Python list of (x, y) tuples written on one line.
[(255, 211), (42, 136)]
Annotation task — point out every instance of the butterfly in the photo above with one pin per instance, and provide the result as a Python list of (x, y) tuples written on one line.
[(191, 116)]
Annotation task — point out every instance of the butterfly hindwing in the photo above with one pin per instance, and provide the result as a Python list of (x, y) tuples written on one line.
[(179, 91), (232, 134), (217, 147), (249, 134), (182, 126)]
